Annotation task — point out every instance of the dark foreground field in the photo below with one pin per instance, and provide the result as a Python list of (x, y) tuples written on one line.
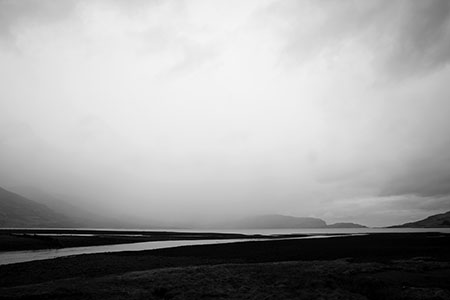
[(377, 266)]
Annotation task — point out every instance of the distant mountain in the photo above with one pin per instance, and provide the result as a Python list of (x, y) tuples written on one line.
[(75, 214), (436, 221), (18, 211), (346, 225), (72, 212), (278, 221), (275, 221), (57, 205)]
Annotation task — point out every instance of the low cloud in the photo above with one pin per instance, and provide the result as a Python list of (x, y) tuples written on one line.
[(168, 108)]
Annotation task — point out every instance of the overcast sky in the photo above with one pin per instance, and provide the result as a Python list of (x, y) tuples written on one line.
[(200, 109)]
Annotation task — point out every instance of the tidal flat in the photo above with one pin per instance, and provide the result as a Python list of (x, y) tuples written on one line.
[(38, 239), (374, 266)]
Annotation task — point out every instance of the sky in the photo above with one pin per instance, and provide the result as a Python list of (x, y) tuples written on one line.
[(201, 110)]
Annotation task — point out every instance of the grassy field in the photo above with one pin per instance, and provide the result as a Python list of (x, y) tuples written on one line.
[(378, 266)]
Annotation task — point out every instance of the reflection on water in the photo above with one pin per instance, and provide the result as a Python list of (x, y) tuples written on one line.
[(30, 255)]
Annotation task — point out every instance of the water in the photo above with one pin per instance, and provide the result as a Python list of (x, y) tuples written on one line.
[(31, 255), (319, 231)]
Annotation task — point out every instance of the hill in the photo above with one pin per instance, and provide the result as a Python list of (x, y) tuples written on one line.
[(18, 211), (279, 221), (346, 225), (436, 221)]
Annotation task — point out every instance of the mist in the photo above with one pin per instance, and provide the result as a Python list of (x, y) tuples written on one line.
[(182, 111)]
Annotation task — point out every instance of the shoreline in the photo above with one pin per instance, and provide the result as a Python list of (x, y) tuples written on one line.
[(41, 239), (12, 257)]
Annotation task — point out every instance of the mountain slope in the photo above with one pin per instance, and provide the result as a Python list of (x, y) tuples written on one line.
[(279, 221), (436, 221), (74, 214), (18, 211)]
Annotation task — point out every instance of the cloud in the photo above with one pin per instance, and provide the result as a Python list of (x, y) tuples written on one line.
[(422, 42), (14, 14), (177, 40), (419, 203), (425, 177), (153, 28), (405, 38), (185, 104)]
